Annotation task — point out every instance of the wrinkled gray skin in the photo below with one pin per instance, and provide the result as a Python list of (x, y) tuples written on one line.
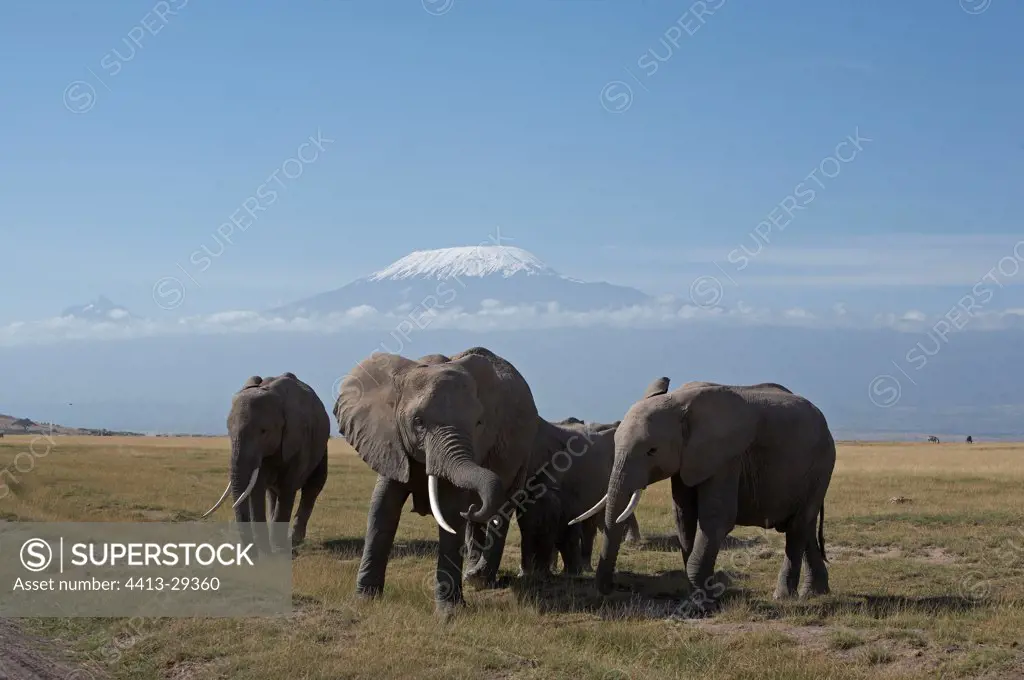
[(280, 426), (753, 455), (575, 462), (468, 420)]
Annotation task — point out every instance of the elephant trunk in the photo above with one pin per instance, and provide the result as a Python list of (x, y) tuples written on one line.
[(624, 487), (450, 456), (243, 478)]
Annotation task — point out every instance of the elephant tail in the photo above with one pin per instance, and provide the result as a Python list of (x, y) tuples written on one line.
[(821, 532)]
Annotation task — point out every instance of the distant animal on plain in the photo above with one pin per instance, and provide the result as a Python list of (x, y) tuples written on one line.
[(279, 430), (1, 435), (969, 439), (933, 438)]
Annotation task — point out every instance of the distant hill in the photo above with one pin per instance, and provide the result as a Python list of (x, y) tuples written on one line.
[(13, 425)]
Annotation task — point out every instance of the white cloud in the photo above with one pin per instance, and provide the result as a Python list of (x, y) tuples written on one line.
[(669, 312)]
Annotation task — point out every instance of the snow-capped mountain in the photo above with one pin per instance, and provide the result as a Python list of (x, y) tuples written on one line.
[(100, 309), (468, 278)]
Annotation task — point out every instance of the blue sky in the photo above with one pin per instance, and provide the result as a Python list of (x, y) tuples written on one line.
[(445, 126)]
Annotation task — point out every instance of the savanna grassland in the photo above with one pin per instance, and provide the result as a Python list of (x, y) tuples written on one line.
[(926, 543)]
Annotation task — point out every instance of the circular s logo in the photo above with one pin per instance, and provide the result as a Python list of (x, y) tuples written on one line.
[(616, 97), (884, 391), (79, 97), (168, 293), (36, 554), (706, 291)]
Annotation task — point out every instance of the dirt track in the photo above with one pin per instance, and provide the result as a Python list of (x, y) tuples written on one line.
[(22, 657)]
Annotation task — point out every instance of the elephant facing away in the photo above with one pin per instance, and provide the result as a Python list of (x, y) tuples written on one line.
[(443, 430), (577, 457), (279, 430), (754, 455)]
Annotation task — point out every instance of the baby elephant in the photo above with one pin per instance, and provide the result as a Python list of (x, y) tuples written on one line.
[(574, 461), (279, 430)]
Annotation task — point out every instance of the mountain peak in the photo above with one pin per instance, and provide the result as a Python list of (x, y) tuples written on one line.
[(100, 309), (448, 263)]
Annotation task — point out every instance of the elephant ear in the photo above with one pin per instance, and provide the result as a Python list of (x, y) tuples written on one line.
[(297, 432), (659, 386), (434, 359), (602, 428), (480, 367), (366, 413), (718, 426), (252, 382)]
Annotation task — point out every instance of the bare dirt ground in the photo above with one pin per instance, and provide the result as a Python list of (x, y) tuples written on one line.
[(26, 657)]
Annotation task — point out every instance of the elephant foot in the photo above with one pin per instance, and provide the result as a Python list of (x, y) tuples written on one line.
[(369, 592), (605, 582), (480, 579), (447, 610), (784, 593), (814, 591), (298, 537)]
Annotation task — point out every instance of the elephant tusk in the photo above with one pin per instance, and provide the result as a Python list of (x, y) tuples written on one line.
[(590, 513), (435, 509), (218, 503), (248, 489), (634, 501)]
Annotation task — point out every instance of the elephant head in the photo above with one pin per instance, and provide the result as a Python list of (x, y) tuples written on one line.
[(439, 413), (262, 422), (692, 433)]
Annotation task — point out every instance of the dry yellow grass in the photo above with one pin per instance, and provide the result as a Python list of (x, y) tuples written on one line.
[(929, 586)]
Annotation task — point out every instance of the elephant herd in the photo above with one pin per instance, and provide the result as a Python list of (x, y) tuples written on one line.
[(463, 437)]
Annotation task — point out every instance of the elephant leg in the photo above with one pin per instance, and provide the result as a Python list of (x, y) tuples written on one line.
[(258, 512), (282, 512), (815, 581), (476, 537), (588, 535), (381, 524), (310, 490), (633, 534), (484, 574), (272, 502), (798, 536), (684, 502), (450, 550), (571, 548), (716, 517)]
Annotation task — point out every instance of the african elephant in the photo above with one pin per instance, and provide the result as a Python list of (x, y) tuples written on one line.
[(755, 455), (439, 429), (578, 458), (279, 430)]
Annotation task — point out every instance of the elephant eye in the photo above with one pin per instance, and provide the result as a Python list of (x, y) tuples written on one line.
[(417, 421), (652, 451)]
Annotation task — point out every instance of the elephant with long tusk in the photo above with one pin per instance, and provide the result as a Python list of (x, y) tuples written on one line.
[(755, 455), (279, 430), (448, 431)]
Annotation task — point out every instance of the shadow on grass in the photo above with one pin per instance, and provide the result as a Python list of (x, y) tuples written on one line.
[(659, 596), (352, 548), (670, 543)]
